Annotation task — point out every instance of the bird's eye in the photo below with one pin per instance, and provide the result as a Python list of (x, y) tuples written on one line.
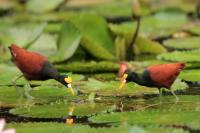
[(68, 80)]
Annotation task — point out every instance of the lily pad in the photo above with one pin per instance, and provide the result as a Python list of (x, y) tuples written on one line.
[(96, 38), (60, 110), (183, 43), (45, 44), (21, 36), (146, 46), (190, 75), (110, 9), (38, 6), (76, 128), (111, 88), (164, 113), (42, 94), (68, 42), (130, 89), (184, 56), (89, 67), (158, 25), (195, 29)]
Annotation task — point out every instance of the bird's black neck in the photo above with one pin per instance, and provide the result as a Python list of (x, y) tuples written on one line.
[(60, 78), (141, 79)]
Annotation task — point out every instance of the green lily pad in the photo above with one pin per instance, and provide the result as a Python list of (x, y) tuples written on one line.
[(190, 75), (178, 5), (158, 25), (130, 89), (21, 36), (42, 94), (60, 110), (194, 29), (103, 76), (165, 112), (89, 67), (45, 44), (111, 88), (146, 46), (38, 6), (183, 43), (184, 56), (63, 128), (96, 38), (68, 42), (113, 8)]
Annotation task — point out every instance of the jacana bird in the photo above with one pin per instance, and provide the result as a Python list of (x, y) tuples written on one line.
[(160, 76), (35, 66)]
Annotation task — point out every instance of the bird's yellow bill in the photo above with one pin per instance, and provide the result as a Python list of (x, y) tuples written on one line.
[(71, 89), (123, 81), (68, 80)]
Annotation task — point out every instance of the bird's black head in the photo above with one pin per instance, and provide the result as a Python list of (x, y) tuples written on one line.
[(65, 80), (132, 76), (128, 77)]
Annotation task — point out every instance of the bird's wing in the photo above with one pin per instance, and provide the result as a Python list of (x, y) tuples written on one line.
[(165, 74)]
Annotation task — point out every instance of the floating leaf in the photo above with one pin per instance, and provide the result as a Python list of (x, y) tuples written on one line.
[(45, 44), (190, 75), (41, 6), (20, 36), (68, 42), (60, 110), (156, 113), (111, 88), (184, 56), (63, 128), (42, 94), (146, 46), (96, 38), (89, 67), (195, 29), (183, 43), (158, 25)]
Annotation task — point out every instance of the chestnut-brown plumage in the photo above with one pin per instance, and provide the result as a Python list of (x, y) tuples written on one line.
[(35, 66), (160, 76)]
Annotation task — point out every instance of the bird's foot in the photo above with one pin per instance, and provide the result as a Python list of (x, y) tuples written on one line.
[(28, 96), (27, 89), (177, 99)]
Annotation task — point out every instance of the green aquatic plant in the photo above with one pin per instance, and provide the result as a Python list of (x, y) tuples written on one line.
[(160, 111)]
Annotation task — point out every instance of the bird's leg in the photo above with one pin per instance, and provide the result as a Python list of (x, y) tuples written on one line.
[(16, 87), (27, 89), (160, 91), (177, 99)]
